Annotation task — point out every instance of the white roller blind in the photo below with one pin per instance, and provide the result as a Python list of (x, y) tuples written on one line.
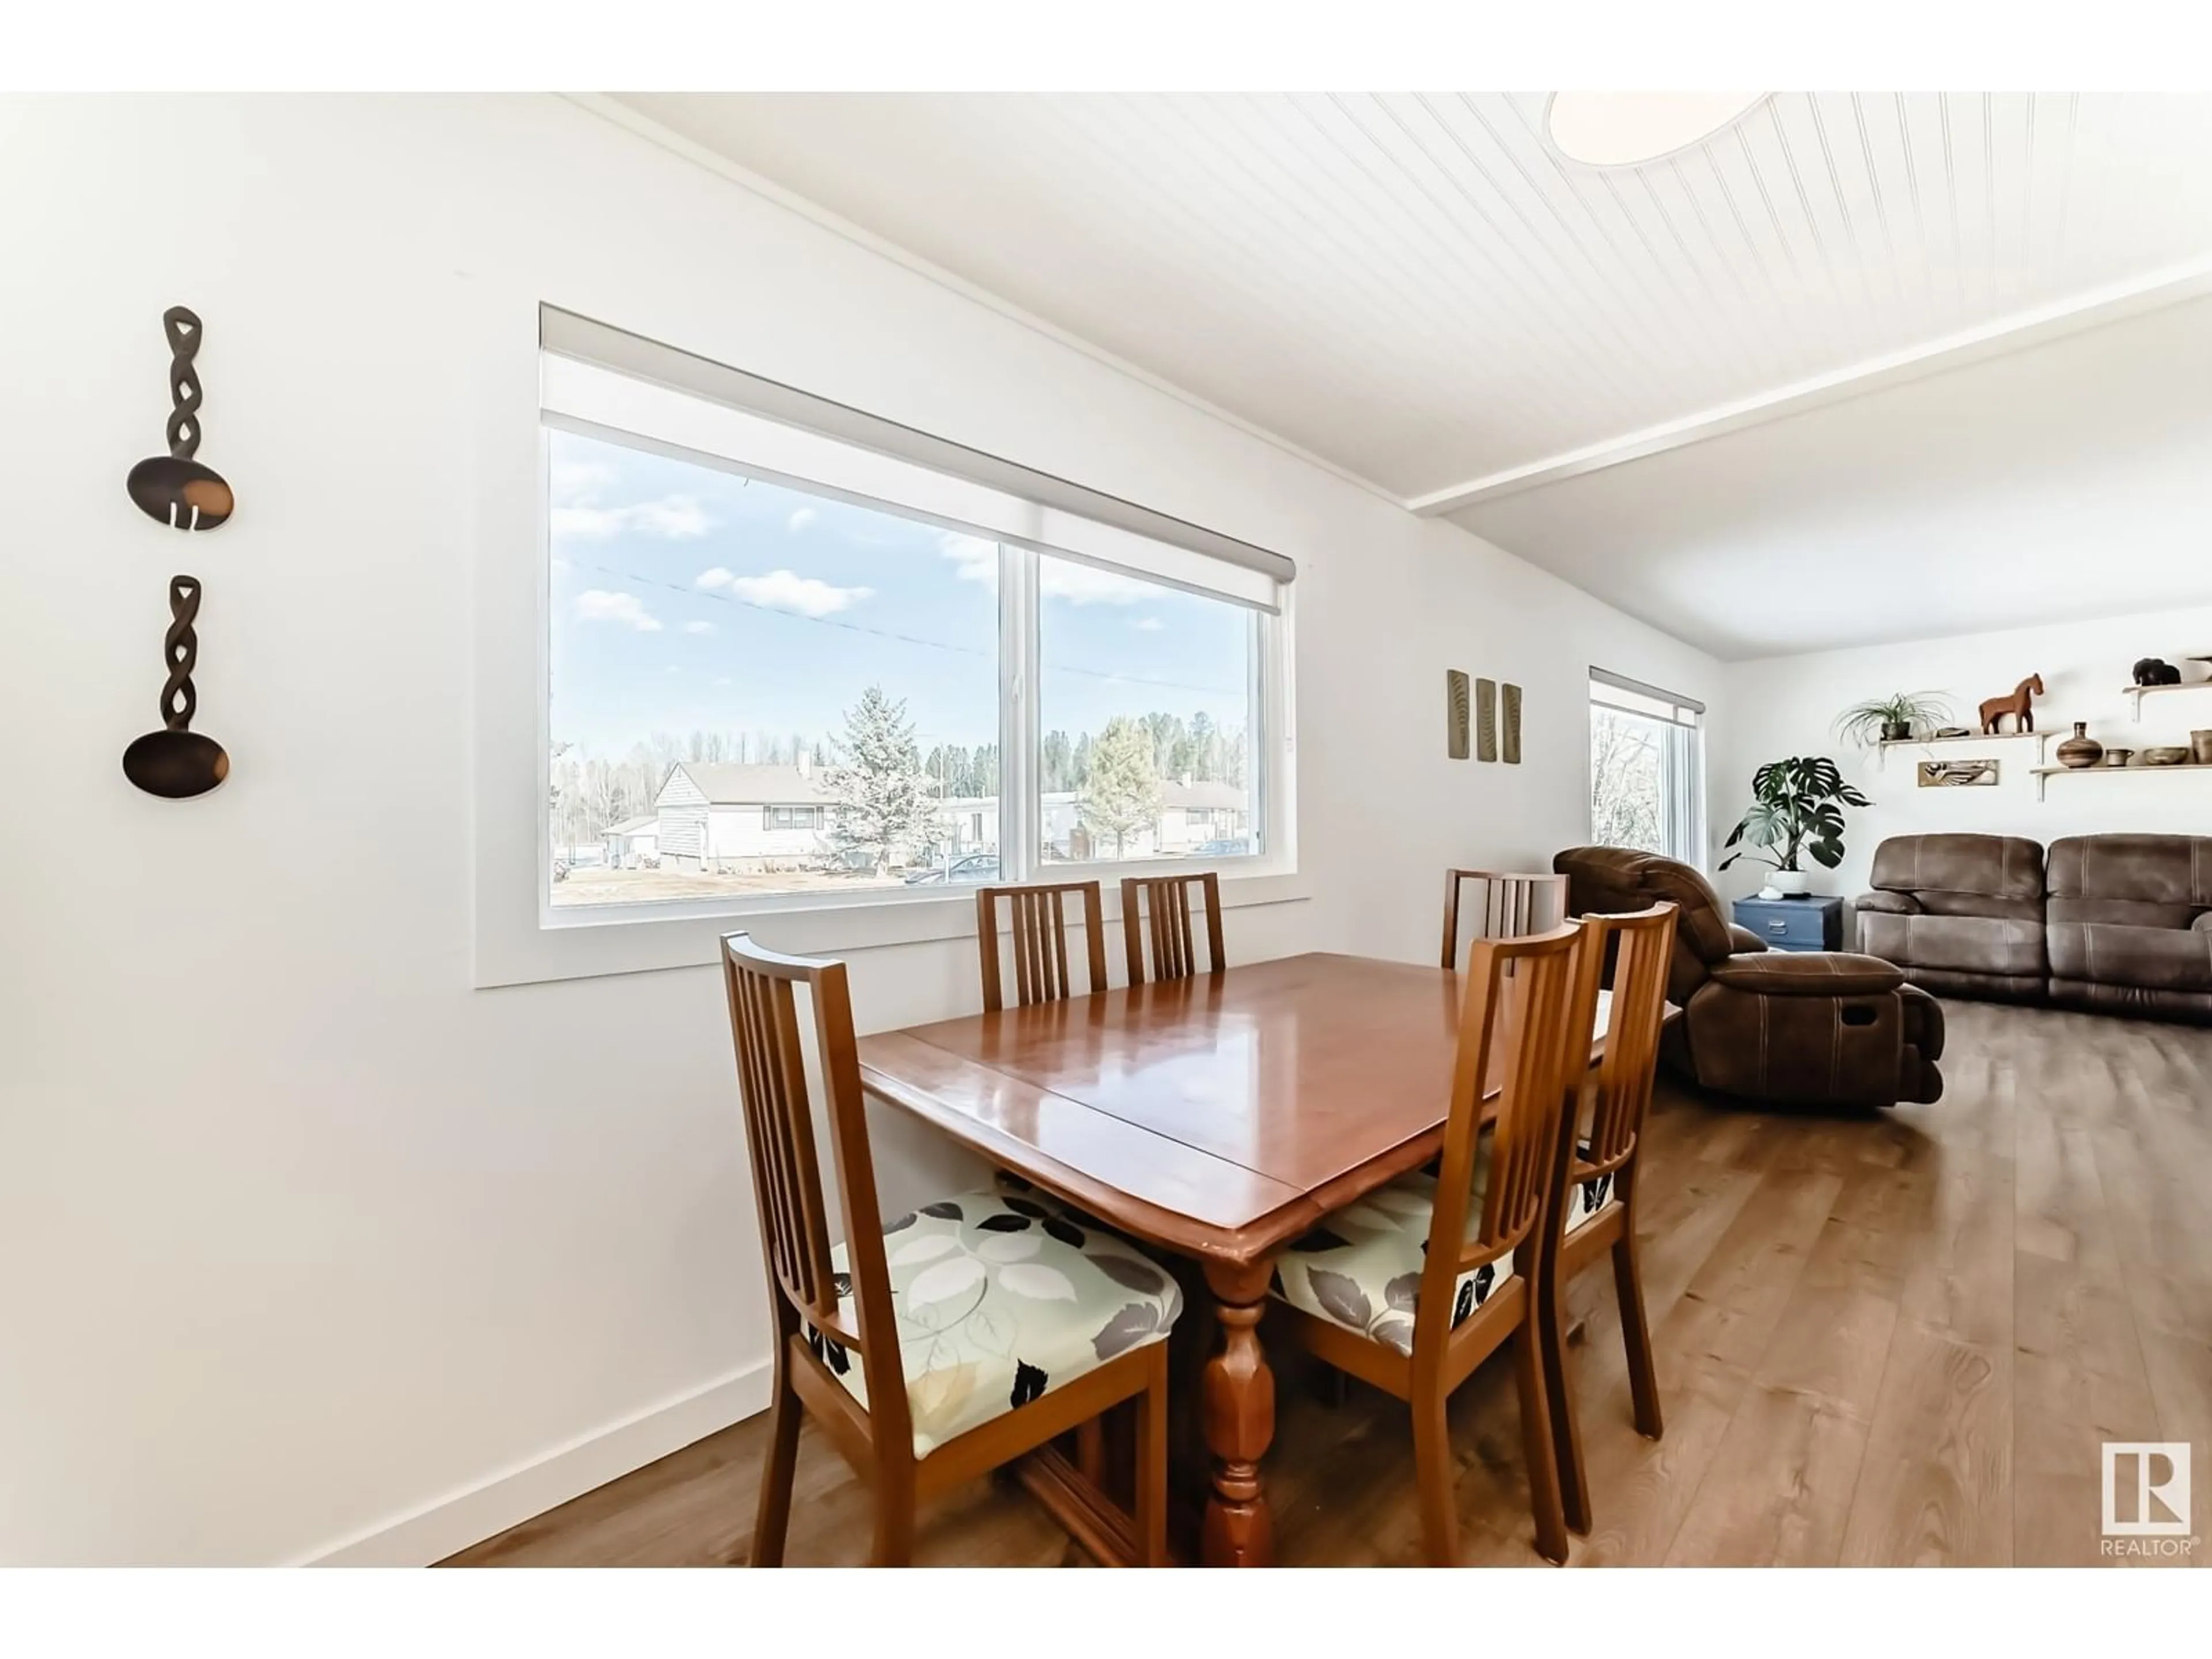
[(612, 384), (1611, 690)]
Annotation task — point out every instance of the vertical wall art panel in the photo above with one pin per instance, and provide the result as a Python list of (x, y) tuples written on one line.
[(1512, 734), (1486, 720), (1455, 714)]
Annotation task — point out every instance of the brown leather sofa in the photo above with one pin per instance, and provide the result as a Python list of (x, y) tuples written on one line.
[(2115, 924), (1825, 1027)]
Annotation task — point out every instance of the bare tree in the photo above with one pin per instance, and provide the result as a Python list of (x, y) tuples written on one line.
[(1625, 783)]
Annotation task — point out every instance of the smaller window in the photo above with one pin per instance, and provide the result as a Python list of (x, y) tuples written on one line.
[(794, 818), (1647, 768), (1150, 703)]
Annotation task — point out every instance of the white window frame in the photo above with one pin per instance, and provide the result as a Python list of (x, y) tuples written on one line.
[(1269, 748), (1682, 775), (521, 938)]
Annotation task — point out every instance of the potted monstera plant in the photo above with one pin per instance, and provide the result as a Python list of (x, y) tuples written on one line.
[(1796, 811)]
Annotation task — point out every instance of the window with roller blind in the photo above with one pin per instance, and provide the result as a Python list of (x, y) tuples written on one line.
[(1647, 768), (796, 652)]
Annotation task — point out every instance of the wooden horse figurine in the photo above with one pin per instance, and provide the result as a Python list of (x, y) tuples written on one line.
[(2017, 705)]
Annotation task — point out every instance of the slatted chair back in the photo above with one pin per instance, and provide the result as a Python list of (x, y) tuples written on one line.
[(1641, 945), (1503, 906), (1525, 1023), (787, 1189), (1165, 902), (1039, 941)]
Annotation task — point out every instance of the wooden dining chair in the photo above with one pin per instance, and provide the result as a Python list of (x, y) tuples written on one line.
[(1019, 1325), (1165, 901), (1599, 1142), (1038, 922), (1416, 1284), (1506, 906)]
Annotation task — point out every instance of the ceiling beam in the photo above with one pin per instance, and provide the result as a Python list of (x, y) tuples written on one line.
[(2075, 315)]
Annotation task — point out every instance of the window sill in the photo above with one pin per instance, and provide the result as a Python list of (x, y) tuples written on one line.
[(590, 942)]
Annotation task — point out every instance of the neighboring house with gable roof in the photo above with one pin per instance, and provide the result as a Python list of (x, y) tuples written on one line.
[(720, 817), (710, 816)]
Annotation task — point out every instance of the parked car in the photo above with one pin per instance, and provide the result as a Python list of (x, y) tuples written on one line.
[(976, 868), (1236, 846)]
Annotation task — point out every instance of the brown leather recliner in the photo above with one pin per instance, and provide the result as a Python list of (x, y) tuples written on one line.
[(1962, 914), (1810, 1027)]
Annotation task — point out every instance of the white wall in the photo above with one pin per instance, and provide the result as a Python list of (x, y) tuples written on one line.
[(1786, 706), (299, 1236), (1471, 606)]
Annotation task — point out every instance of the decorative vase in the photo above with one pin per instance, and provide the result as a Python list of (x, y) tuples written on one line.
[(2200, 747), (1897, 731), (1790, 884), (2080, 749)]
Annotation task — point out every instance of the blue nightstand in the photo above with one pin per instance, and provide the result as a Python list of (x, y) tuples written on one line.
[(1811, 923)]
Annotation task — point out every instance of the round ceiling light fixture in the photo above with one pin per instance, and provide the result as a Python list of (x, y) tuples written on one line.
[(1627, 129)]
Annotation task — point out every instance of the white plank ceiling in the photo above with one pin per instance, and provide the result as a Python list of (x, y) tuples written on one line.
[(1915, 336), (1414, 288)]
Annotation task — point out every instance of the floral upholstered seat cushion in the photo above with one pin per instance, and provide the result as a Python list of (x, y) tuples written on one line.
[(1361, 1268), (1000, 1299), (1006, 1184), (1586, 1198)]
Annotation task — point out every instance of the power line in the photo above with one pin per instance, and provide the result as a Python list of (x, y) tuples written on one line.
[(893, 634)]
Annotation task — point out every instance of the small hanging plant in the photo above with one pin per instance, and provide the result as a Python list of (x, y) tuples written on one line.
[(1892, 719)]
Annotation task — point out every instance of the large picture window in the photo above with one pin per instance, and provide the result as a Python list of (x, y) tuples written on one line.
[(784, 687), (1647, 768), (782, 664)]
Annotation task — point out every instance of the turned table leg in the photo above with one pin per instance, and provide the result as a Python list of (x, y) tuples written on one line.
[(1240, 1421)]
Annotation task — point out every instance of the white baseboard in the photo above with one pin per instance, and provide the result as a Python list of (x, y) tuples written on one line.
[(468, 1517)]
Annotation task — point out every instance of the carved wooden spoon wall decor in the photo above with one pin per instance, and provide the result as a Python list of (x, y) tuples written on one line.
[(177, 762), (174, 487)]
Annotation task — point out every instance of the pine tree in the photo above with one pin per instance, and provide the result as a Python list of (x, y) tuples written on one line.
[(1167, 733), (880, 806), (1204, 763), (1057, 763), (1122, 795)]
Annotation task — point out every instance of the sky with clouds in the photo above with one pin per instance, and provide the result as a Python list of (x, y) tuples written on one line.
[(686, 597)]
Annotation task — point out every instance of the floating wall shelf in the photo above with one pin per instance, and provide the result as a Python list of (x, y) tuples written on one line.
[(2043, 772), (2137, 693)]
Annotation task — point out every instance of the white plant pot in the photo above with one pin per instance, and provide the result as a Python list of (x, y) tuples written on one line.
[(1790, 884)]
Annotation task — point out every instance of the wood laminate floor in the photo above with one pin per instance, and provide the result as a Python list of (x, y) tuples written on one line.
[(1894, 1340)]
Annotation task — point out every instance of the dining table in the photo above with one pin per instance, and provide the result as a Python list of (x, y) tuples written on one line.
[(1216, 1117)]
